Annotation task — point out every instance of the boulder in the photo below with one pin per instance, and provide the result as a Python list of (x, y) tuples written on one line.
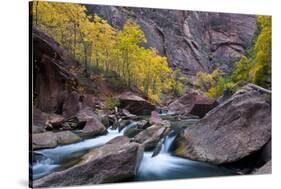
[(44, 140), (265, 169), (135, 104), (132, 132), (52, 139), (120, 140), (103, 117), (233, 130), (192, 103), (105, 164), (151, 136), (93, 127), (67, 137)]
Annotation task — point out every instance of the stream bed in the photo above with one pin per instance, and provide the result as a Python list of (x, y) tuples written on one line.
[(161, 167)]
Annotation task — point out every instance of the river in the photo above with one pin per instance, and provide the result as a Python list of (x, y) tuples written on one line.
[(161, 167)]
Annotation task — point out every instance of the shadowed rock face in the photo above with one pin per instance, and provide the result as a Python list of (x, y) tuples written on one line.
[(51, 77), (233, 130), (135, 104), (192, 41), (265, 169)]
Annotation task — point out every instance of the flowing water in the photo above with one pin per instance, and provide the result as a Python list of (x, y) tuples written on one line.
[(161, 167)]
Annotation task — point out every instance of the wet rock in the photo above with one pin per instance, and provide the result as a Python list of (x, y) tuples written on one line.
[(132, 132), (151, 136), (123, 124), (106, 164), (120, 140), (142, 124), (66, 137), (44, 140), (157, 149), (233, 130), (52, 139), (93, 127), (135, 104)]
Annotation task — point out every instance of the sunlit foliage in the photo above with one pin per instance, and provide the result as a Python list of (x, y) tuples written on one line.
[(256, 67), (94, 43)]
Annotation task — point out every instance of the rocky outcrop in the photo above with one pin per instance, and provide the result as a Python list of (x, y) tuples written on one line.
[(233, 130), (51, 76), (192, 103), (52, 139), (93, 125), (193, 41), (151, 136), (106, 164), (135, 104)]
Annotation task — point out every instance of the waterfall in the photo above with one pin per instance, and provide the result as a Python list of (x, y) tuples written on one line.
[(167, 166), (167, 142)]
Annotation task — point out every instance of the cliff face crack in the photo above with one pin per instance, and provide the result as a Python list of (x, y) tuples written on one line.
[(215, 37), (194, 53)]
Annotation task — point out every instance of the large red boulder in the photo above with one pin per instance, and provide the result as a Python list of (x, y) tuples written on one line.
[(235, 129), (192, 103), (135, 104)]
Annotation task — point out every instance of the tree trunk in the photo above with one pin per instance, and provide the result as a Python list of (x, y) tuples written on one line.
[(36, 11), (74, 40), (107, 61), (85, 59)]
